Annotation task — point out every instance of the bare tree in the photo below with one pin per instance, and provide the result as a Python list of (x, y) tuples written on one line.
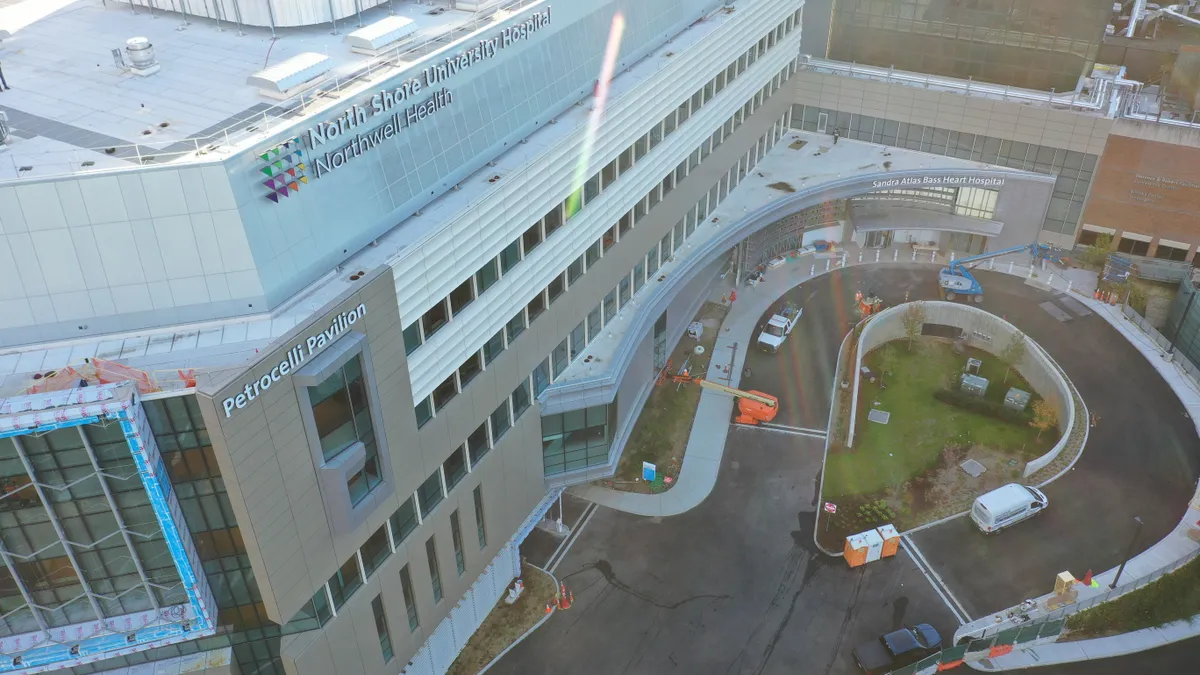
[(914, 321), (1013, 352)]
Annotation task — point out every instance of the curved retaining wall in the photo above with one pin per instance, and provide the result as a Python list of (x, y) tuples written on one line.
[(1036, 367)]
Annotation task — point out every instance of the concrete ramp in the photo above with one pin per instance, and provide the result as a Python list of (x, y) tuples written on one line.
[(1074, 306), (1056, 311)]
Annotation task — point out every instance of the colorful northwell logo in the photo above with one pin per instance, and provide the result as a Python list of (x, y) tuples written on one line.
[(284, 166)]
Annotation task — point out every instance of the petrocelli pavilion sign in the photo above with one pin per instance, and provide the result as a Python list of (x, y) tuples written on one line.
[(392, 110)]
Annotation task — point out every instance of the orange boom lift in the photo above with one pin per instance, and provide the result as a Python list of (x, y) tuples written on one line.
[(754, 407)]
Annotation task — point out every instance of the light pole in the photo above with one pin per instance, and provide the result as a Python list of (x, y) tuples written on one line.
[(1128, 552)]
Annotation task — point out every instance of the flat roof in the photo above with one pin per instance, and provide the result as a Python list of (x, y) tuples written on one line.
[(70, 102), (217, 347)]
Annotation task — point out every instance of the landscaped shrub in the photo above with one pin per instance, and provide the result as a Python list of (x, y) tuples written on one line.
[(982, 406)]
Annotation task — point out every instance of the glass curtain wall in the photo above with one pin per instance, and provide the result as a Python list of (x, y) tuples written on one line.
[(577, 439)]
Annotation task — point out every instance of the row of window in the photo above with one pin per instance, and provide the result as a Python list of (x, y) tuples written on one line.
[(444, 311), (428, 407), (332, 595), (965, 201)]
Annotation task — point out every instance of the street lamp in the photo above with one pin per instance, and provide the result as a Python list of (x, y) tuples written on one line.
[(1128, 552)]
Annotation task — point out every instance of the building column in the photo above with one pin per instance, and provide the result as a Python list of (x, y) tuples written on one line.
[(1153, 248)]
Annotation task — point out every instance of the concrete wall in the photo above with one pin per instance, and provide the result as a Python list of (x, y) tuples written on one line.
[(1036, 366)]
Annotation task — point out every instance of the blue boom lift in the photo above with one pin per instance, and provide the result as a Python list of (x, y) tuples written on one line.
[(958, 280)]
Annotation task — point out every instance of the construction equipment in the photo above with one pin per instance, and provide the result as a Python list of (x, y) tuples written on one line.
[(754, 407), (868, 304), (956, 279)]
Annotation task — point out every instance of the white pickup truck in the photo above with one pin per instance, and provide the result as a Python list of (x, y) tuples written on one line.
[(779, 327)]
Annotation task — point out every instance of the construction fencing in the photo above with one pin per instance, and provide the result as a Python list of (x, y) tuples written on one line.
[(1180, 358)]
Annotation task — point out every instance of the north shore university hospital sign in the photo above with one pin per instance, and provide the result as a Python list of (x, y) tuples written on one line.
[(334, 143)]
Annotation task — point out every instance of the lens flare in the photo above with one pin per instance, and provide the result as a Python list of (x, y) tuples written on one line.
[(607, 66)]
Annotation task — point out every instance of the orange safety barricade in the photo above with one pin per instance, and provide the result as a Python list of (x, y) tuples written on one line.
[(111, 373)]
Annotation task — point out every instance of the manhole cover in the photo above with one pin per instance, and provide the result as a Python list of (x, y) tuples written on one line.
[(879, 416), (974, 469)]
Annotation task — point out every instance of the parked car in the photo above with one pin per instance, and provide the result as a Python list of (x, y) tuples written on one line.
[(897, 649)]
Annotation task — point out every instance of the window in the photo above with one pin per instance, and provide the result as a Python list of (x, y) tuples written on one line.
[(559, 358), (403, 521), (609, 239), (339, 407), (591, 189), (435, 318), (445, 392), (435, 577), (669, 123), (594, 323), (412, 338), (461, 297), (625, 161), (576, 439), (541, 377), (375, 551), (578, 340), (536, 306), (532, 237), (480, 528), (640, 147), (573, 204), (381, 628), (575, 270), (665, 247), (656, 135), (509, 257), (608, 175), (520, 399), (429, 495), (487, 275), (684, 112), (553, 219), (515, 326), (493, 347), (500, 421), (477, 444), (410, 602), (625, 290), (626, 220), (610, 306), (556, 288), (344, 582), (455, 468), (343, 418), (470, 368), (460, 563), (681, 171), (593, 254), (652, 263), (668, 184), (424, 412)]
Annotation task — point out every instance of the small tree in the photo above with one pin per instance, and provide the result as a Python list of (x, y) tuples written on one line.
[(1098, 252), (1013, 352), (914, 321), (1044, 417)]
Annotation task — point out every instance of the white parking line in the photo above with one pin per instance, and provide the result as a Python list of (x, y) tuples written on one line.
[(563, 548), (939, 586)]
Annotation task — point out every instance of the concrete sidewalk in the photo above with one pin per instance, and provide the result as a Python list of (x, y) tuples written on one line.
[(1182, 541)]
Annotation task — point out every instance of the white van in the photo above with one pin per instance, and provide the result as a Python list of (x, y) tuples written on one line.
[(1006, 506)]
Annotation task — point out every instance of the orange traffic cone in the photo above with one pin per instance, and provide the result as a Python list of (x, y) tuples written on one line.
[(1087, 579), (1096, 295), (549, 607)]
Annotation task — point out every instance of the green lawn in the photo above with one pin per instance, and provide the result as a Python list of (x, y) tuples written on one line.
[(921, 427)]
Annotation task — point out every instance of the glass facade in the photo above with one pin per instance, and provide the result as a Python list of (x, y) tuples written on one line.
[(1036, 44), (1073, 170), (578, 438), (343, 418)]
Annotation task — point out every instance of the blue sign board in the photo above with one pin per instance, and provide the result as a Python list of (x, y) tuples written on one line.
[(649, 471)]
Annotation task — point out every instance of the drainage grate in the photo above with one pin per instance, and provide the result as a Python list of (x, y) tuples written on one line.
[(974, 469), (879, 416)]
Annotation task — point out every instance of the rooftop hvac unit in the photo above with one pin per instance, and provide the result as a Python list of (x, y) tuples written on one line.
[(389, 32), (141, 56), (284, 80)]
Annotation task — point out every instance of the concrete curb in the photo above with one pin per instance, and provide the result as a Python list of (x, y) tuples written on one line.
[(527, 633), (829, 439)]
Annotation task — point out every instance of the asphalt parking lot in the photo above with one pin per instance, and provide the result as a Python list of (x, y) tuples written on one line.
[(733, 586), (1142, 459)]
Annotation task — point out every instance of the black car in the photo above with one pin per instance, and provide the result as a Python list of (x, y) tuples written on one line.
[(897, 649)]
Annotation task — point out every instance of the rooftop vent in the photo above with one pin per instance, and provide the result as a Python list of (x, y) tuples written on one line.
[(141, 56), (284, 80), (381, 35)]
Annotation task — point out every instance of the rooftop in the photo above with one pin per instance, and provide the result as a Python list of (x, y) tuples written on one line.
[(70, 103), (217, 347)]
